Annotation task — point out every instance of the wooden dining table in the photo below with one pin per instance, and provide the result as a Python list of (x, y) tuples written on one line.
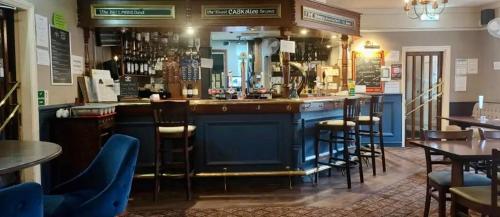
[(467, 121), (16, 155), (460, 152)]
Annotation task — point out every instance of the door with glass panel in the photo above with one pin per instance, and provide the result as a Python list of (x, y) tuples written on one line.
[(423, 92)]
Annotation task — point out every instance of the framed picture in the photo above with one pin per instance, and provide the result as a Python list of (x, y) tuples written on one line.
[(367, 70), (396, 71), (385, 73)]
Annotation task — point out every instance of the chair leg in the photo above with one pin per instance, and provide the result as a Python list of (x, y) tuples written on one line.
[(316, 154), (188, 168), (427, 200), (442, 203), (330, 150), (347, 159), (372, 149), (358, 153), (157, 169), (381, 141)]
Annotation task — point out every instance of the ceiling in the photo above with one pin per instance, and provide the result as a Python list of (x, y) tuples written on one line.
[(379, 4)]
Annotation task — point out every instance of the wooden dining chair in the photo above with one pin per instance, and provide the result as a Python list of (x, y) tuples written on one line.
[(440, 181), (485, 166), (488, 134), (482, 199)]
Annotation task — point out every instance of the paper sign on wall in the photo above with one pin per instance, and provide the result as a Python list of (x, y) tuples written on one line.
[(473, 66), (77, 64), (460, 83), (207, 63), (393, 56), (42, 31), (461, 66), (42, 57), (392, 87), (287, 46), (496, 65)]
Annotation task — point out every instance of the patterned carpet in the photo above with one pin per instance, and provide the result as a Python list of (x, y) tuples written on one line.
[(405, 198)]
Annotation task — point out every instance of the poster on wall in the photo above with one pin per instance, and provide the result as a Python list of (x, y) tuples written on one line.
[(367, 70), (60, 57), (396, 71)]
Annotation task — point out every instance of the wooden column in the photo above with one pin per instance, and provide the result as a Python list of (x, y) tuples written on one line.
[(345, 67), (285, 68), (86, 36)]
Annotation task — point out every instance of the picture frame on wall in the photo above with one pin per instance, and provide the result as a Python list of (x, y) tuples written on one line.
[(367, 70)]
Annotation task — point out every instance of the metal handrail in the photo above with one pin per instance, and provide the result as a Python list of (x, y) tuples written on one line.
[(423, 104), (11, 115), (425, 93), (7, 96)]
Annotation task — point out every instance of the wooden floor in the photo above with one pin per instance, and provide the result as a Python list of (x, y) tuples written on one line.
[(331, 192)]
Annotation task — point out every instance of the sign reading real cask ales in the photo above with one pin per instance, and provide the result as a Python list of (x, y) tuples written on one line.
[(314, 15), (100, 11), (241, 11)]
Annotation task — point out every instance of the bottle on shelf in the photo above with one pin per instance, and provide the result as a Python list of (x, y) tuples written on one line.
[(126, 58), (189, 91), (184, 91)]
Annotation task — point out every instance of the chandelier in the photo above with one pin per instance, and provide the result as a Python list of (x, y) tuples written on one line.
[(416, 9)]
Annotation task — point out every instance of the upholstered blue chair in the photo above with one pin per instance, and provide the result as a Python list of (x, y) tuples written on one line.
[(23, 200), (102, 190)]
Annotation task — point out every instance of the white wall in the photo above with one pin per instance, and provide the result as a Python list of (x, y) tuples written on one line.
[(233, 53)]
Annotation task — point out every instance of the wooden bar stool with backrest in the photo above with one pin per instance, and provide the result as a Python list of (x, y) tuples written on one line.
[(482, 199), (348, 124), (374, 118), (440, 181), (171, 119)]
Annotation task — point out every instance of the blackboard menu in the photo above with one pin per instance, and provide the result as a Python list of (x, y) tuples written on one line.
[(60, 52), (367, 70), (129, 87)]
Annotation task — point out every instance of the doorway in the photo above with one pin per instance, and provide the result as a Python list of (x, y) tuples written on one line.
[(423, 91), (9, 107)]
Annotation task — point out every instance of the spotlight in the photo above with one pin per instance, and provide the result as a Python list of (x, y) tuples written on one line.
[(304, 31), (190, 30)]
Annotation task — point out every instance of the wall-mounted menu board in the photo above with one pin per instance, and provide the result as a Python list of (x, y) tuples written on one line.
[(60, 55), (367, 69)]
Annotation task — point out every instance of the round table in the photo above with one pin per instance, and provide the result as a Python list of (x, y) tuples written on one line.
[(16, 155)]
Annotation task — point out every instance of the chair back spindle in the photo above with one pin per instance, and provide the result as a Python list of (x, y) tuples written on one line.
[(351, 110), (377, 106)]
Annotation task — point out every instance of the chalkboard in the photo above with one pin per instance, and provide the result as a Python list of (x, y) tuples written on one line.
[(129, 87), (367, 70), (60, 53)]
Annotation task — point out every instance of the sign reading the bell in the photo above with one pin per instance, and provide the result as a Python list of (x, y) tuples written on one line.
[(100, 11), (241, 11), (314, 15)]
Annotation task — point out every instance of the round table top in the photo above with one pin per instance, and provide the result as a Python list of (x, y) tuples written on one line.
[(16, 155)]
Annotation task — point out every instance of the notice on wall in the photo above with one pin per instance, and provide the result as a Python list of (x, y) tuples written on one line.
[(460, 83), (42, 31), (393, 57), (461, 66), (496, 65), (42, 57), (287, 46), (77, 64), (207, 63), (473, 66), (392, 87), (60, 53)]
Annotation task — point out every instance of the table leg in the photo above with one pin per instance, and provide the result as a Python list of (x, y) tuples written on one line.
[(457, 180)]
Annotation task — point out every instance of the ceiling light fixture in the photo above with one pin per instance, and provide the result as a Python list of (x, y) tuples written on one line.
[(415, 9), (303, 31)]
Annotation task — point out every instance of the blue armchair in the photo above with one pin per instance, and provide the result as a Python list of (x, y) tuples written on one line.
[(102, 190), (23, 200)]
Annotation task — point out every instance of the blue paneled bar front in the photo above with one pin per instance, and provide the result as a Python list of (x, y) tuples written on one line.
[(263, 137)]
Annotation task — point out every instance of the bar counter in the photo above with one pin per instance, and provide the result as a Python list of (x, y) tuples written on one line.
[(252, 136)]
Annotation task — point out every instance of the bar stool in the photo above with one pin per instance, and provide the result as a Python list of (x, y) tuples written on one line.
[(374, 118), (171, 120), (346, 126)]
